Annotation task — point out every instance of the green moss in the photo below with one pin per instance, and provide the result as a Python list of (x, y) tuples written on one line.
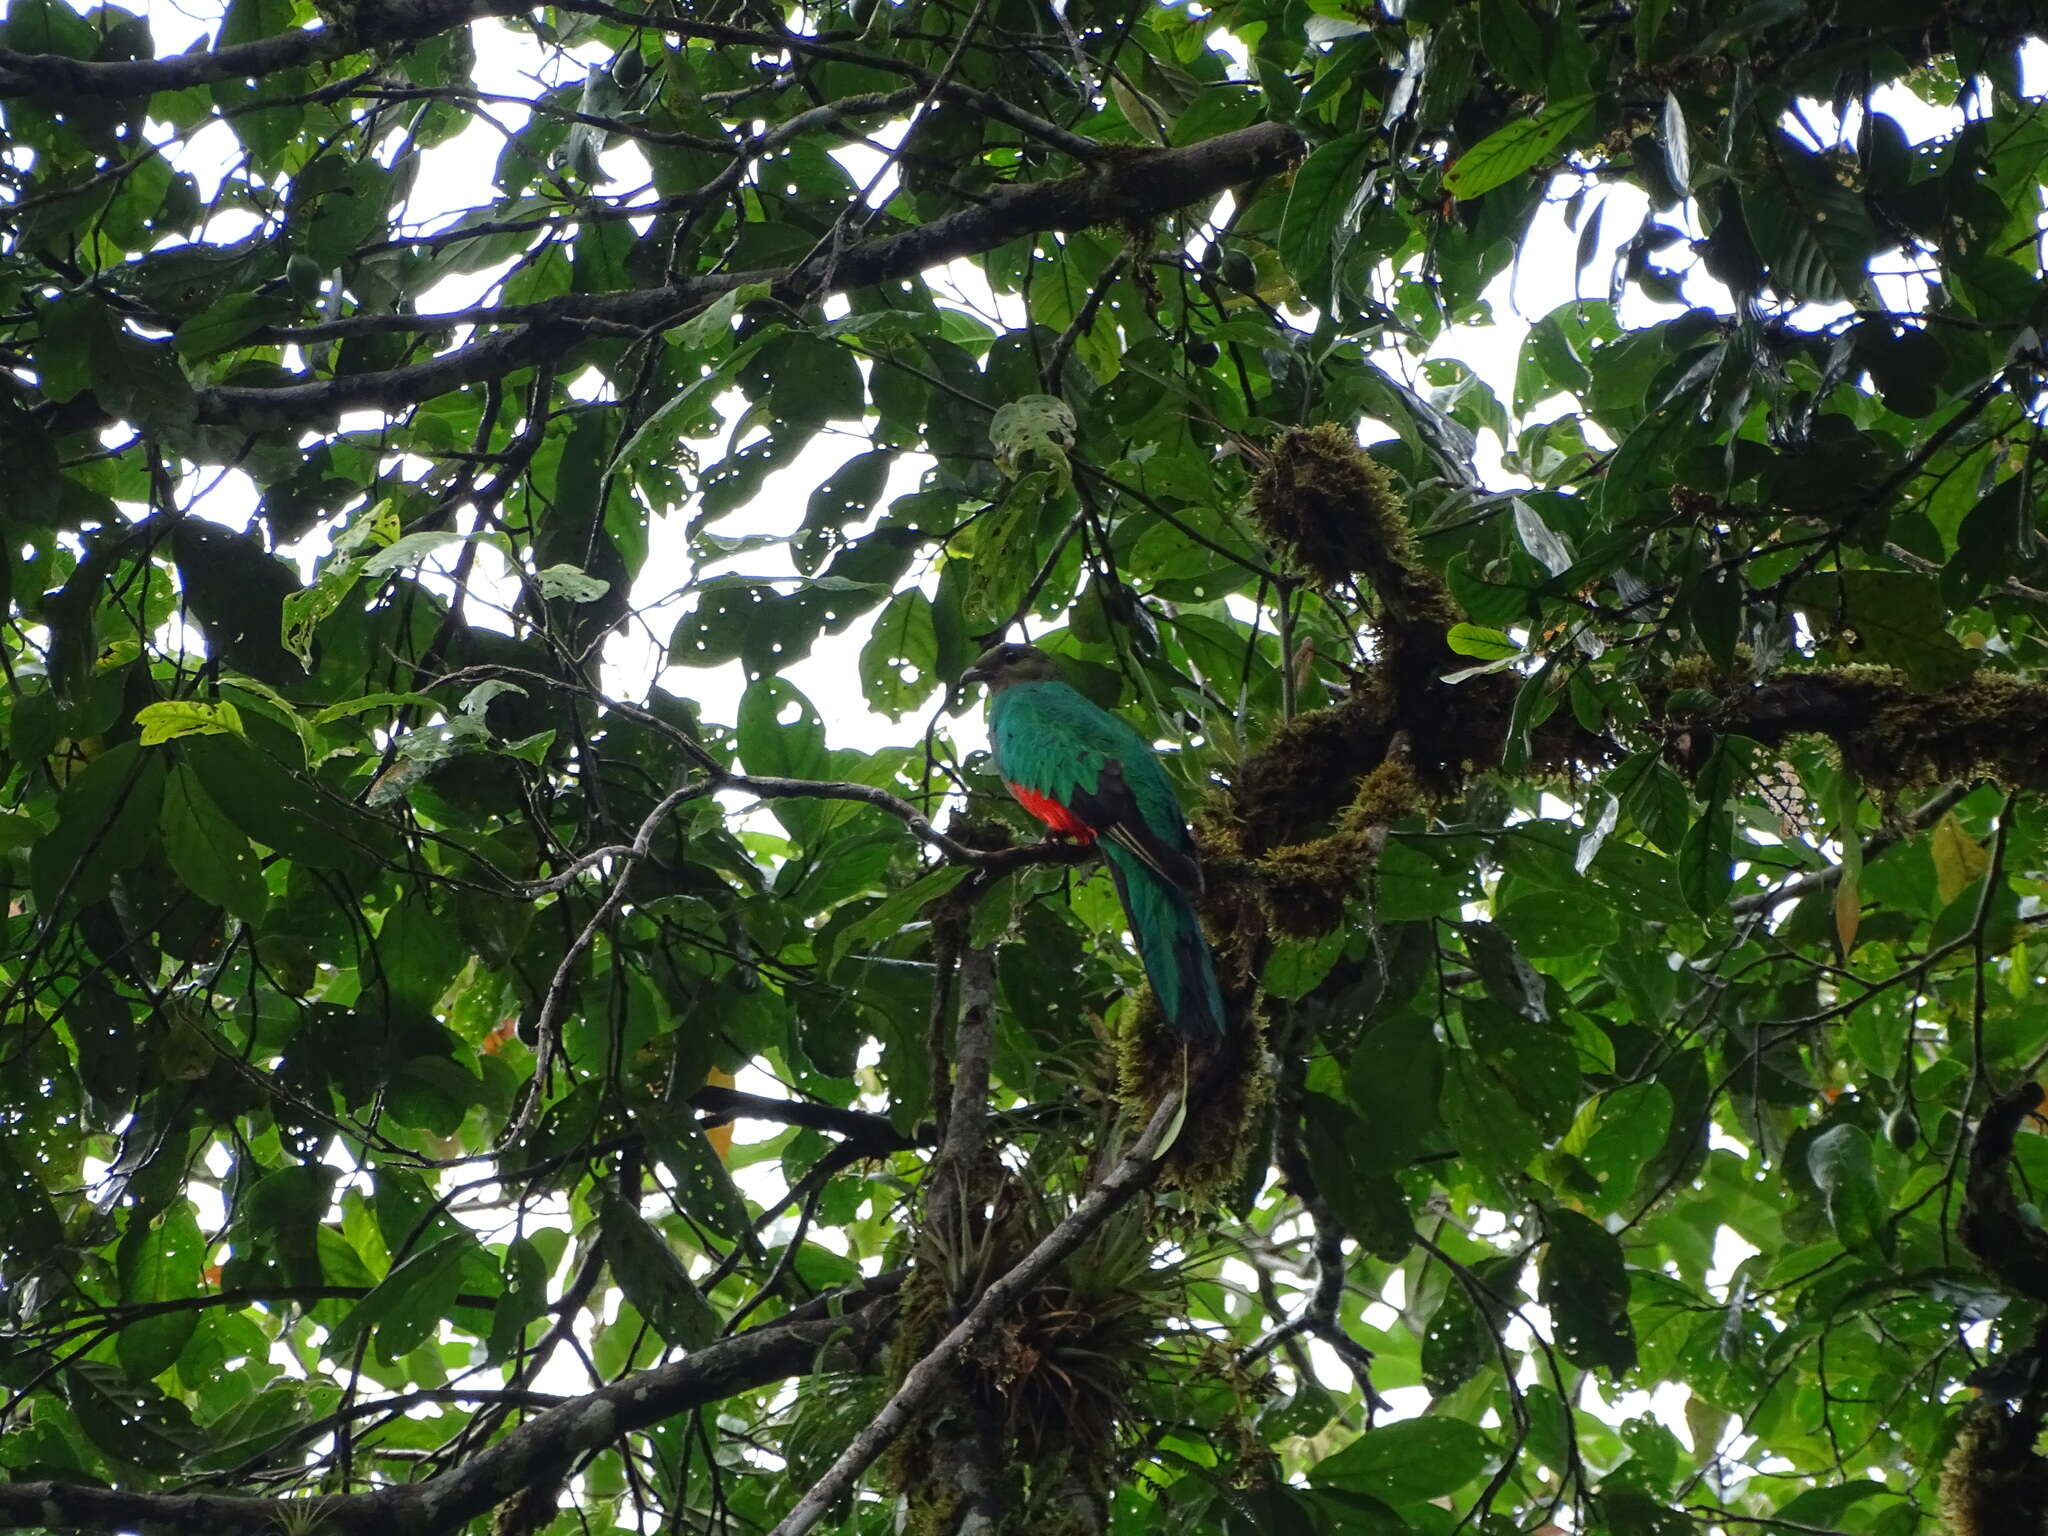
[(1307, 884), (1307, 771), (1226, 1100), (1331, 511), (1895, 736), (1993, 1483), (1994, 726)]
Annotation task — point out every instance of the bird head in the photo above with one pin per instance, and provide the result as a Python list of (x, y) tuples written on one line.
[(1003, 666)]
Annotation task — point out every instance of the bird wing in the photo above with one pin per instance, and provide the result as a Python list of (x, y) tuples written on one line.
[(1113, 811), (1052, 745)]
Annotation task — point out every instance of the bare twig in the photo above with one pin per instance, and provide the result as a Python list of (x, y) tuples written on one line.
[(545, 1027), (1885, 838)]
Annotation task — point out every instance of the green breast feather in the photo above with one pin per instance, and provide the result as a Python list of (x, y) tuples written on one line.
[(1051, 740)]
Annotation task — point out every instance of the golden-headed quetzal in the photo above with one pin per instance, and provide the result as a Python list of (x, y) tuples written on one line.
[(1089, 776)]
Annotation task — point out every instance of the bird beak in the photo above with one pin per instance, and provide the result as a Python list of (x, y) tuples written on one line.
[(974, 675)]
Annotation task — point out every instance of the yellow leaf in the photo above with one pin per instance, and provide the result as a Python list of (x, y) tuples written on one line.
[(720, 1136), (1959, 862), (1848, 911), (186, 717)]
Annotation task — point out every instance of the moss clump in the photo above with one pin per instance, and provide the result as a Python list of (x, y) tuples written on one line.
[(1307, 884), (1332, 512), (1306, 771), (1993, 1482), (1895, 736), (921, 1317), (1227, 1093)]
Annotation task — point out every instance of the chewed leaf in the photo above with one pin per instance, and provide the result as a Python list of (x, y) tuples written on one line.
[(174, 718)]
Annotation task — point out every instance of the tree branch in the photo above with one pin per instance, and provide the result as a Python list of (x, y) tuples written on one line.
[(544, 1448), (1885, 838), (874, 1132), (1136, 186), (1138, 1168), (392, 21)]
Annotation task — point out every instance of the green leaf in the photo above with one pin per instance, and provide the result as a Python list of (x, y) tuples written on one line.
[(1393, 1080), (132, 1422), (652, 1277), (1513, 43), (1654, 798), (1486, 644), (1008, 545), (1616, 1134), (106, 823), (1814, 233), (1536, 1063), (1993, 541), (174, 718), (348, 709), (524, 1300), (889, 915), (1892, 618), (899, 665), (1842, 1160), (227, 323), (1463, 1336), (141, 382), (1298, 965), (706, 332), (1409, 1461), (1522, 145), (1585, 1287), (1034, 432), (406, 1307), (705, 1188), (1486, 1124), (1322, 210), (159, 1261), (572, 583), (303, 612), (1706, 871), (1508, 977), (1366, 1199), (208, 852), (411, 549), (281, 810)]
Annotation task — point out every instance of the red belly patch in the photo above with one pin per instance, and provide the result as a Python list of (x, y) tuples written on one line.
[(1052, 813)]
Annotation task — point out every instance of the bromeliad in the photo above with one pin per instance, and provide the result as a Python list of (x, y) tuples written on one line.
[(1087, 775)]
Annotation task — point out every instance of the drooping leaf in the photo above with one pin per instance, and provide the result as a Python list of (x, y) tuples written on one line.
[(1521, 146)]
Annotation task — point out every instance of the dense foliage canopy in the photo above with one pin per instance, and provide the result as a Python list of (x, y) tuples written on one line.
[(443, 441)]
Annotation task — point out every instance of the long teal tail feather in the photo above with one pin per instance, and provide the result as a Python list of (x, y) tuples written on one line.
[(1172, 945)]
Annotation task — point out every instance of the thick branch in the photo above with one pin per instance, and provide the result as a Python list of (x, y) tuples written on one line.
[(1136, 186), (871, 1131), (2008, 1245), (544, 1448), (1892, 734), (394, 21), (1139, 1167)]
